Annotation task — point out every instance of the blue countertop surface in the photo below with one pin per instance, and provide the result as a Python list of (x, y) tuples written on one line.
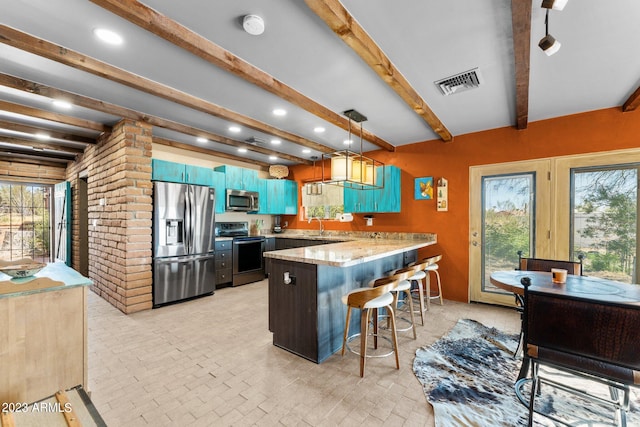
[(65, 276)]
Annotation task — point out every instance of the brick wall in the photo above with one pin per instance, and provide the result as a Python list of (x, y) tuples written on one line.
[(120, 204)]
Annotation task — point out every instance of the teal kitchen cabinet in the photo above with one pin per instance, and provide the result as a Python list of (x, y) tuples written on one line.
[(278, 197), (384, 200), (237, 178), (283, 196), (198, 175), (388, 199), (162, 170), (218, 182), (263, 197)]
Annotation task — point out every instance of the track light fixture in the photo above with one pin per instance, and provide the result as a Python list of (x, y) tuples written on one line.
[(554, 4), (548, 43)]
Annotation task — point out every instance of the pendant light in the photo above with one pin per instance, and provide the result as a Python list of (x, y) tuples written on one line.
[(352, 169)]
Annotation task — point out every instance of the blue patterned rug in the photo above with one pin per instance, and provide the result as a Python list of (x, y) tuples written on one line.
[(468, 376)]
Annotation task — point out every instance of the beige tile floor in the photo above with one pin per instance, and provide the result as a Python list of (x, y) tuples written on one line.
[(211, 362)]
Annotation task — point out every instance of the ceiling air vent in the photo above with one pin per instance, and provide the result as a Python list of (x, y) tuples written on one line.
[(254, 140), (459, 82)]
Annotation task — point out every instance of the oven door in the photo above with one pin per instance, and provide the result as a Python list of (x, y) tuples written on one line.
[(248, 260)]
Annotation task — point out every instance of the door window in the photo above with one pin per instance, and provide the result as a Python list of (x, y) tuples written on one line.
[(508, 222), (25, 228), (605, 221)]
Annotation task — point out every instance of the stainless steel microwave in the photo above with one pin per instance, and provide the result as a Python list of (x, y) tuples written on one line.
[(242, 201)]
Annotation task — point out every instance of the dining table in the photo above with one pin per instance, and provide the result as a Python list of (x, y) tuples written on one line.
[(585, 288)]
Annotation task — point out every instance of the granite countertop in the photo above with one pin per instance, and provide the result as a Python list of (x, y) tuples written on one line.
[(356, 250), (55, 276)]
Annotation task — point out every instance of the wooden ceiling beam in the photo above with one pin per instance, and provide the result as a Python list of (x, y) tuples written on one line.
[(24, 151), (105, 107), (40, 145), (162, 26), (521, 28), (21, 158), (28, 43), (53, 117), (633, 102), (334, 14), (33, 130), (183, 146)]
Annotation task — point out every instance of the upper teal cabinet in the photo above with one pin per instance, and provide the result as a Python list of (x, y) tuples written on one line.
[(237, 178), (162, 170), (382, 200), (278, 197), (218, 182)]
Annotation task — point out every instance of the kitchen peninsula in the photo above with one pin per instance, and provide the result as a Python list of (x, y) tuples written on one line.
[(306, 285), (44, 333)]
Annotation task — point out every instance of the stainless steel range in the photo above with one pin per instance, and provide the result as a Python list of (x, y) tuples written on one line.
[(248, 262)]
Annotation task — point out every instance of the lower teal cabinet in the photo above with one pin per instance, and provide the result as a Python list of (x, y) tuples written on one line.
[(386, 199)]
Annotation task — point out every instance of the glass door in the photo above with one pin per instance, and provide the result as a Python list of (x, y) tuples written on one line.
[(509, 213)]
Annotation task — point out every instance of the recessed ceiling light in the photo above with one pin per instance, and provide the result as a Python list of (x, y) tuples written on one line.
[(62, 104), (347, 141), (201, 139), (318, 129), (242, 150), (275, 141), (279, 112), (234, 129), (108, 36), (42, 136), (273, 158), (306, 151)]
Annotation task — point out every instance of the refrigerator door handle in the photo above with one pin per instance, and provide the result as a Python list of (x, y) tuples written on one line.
[(187, 220)]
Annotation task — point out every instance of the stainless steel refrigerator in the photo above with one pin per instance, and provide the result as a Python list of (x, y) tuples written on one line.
[(183, 241)]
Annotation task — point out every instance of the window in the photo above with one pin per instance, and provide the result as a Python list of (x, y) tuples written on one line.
[(322, 201), (605, 220), (25, 228)]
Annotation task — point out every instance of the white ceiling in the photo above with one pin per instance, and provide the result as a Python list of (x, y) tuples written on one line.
[(597, 67)]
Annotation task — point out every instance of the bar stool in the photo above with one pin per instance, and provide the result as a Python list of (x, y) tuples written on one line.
[(432, 267), (418, 276), (368, 300), (404, 286)]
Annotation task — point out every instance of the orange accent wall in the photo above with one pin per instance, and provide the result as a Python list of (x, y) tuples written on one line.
[(596, 131)]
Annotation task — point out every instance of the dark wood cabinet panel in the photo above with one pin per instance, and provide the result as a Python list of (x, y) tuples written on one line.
[(307, 316), (293, 307)]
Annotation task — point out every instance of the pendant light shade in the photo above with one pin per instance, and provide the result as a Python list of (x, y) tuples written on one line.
[(341, 167), (549, 45)]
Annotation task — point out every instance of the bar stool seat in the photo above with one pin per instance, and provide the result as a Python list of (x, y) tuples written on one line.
[(404, 287), (369, 300)]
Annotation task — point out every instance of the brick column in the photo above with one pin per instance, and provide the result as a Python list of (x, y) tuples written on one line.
[(120, 206)]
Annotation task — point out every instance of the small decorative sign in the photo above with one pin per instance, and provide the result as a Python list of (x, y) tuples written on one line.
[(443, 195), (424, 188)]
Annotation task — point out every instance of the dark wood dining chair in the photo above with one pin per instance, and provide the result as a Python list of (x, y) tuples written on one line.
[(591, 339), (540, 264)]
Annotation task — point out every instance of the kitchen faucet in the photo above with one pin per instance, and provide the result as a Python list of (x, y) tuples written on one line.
[(319, 220)]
